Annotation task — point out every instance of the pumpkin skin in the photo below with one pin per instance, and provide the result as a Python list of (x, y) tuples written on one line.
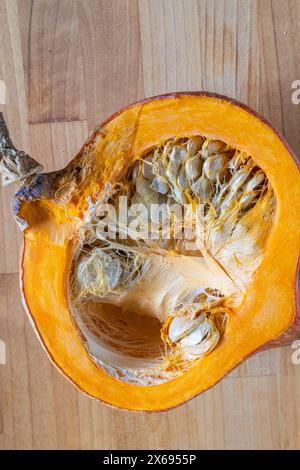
[(269, 315)]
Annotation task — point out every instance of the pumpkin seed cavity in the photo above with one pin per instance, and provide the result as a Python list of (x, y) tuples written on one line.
[(149, 307)]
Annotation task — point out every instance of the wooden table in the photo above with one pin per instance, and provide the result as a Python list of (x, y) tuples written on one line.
[(69, 64)]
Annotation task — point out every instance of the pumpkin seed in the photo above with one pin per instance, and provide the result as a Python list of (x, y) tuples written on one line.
[(255, 181), (196, 336), (193, 168), (159, 168), (212, 147), (178, 195), (249, 190), (205, 346), (234, 184), (194, 144), (113, 273), (203, 188), (235, 162), (238, 179), (159, 186), (215, 167), (135, 170), (147, 168), (182, 180), (177, 156), (98, 271), (142, 185), (182, 326)]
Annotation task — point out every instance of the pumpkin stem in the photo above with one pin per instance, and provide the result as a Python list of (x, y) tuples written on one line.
[(15, 165)]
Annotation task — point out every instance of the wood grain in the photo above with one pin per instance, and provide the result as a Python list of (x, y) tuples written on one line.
[(67, 65)]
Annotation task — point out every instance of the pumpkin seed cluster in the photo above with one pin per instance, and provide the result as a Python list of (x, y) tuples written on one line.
[(231, 198)]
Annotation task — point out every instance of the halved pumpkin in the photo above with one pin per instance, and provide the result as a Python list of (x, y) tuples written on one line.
[(144, 321)]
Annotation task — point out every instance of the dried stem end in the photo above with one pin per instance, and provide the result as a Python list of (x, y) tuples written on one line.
[(15, 165)]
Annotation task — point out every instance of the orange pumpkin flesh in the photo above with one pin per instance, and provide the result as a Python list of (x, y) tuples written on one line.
[(268, 313)]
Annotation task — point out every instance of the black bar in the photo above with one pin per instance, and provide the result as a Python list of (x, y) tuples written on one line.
[(149, 458)]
